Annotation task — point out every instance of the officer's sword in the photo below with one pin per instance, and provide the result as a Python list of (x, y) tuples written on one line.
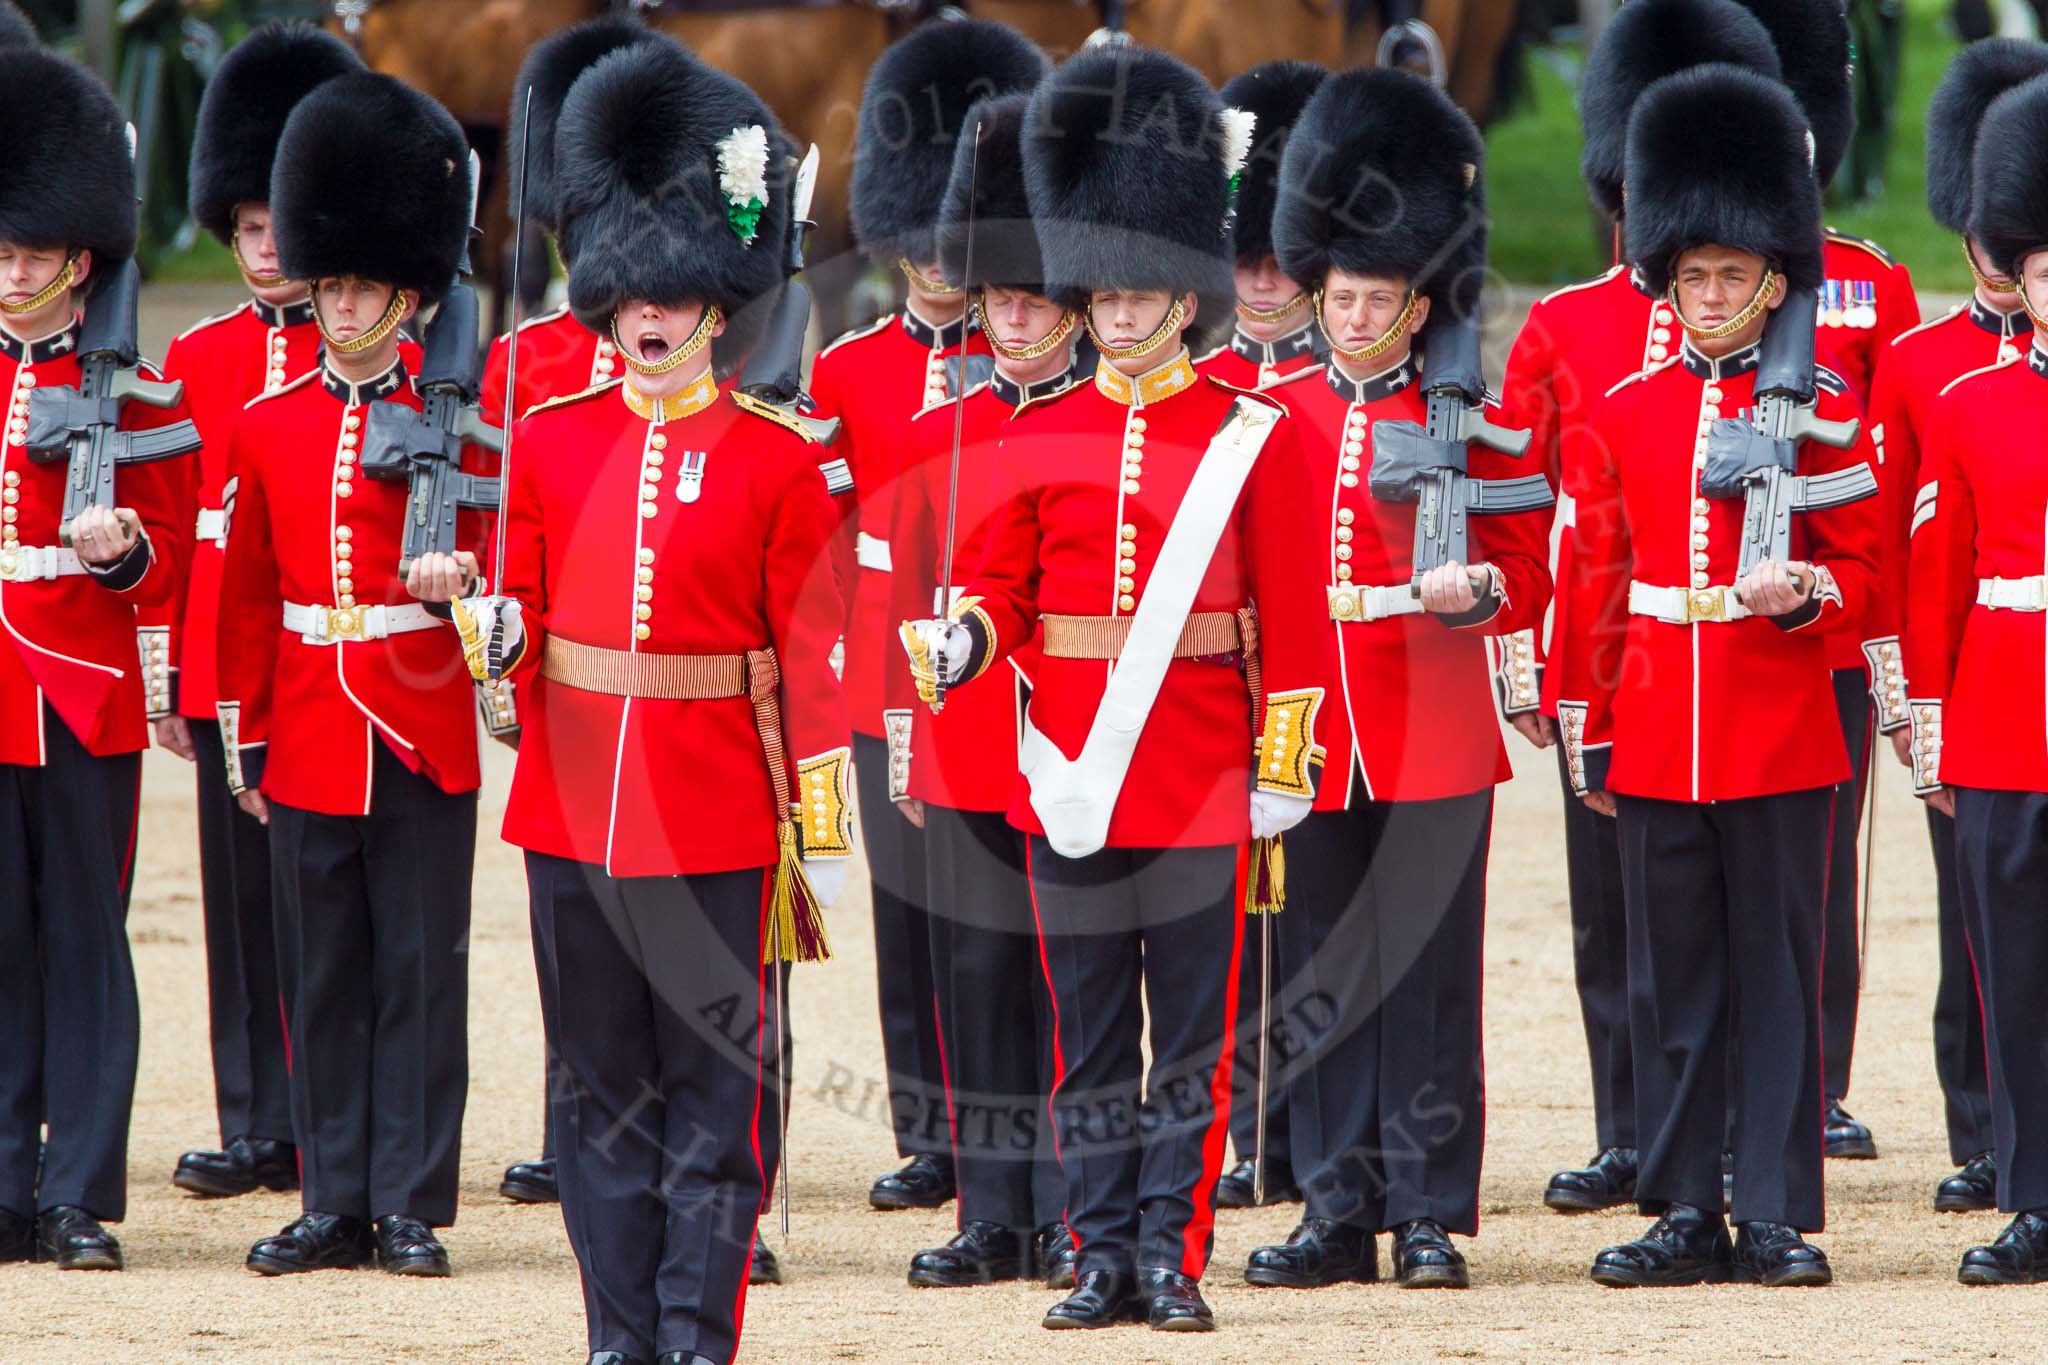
[(945, 598), (1869, 853), (512, 348), (1265, 1056)]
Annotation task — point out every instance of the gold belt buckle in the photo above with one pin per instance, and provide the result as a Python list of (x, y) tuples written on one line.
[(343, 623), (1346, 604), (1707, 604)]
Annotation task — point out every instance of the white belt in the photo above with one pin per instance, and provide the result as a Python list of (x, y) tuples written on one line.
[(213, 525), (331, 625), (943, 600), (1350, 602), (2013, 594), (1685, 606), (34, 563), (871, 552)]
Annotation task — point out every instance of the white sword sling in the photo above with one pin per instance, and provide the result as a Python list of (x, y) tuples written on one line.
[(1075, 797)]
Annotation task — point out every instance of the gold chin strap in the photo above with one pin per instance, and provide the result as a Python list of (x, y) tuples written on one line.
[(699, 339), (255, 277), (1168, 325), (2027, 304), (1045, 345), (394, 312), (1984, 280), (1280, 313), (1751, 311), (47, 294), (1376, 349), (922, 281)]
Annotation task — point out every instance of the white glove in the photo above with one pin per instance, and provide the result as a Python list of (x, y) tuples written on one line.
[(1274, 813), (827, 877), (492, 631), (938, 652)]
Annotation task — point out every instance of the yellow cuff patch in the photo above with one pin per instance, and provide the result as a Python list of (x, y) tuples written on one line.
[(824, 805), (1287, 749)]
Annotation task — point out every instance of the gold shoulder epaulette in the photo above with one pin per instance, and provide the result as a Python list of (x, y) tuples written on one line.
[(769, 412), (855, 334), (1240, 390), (1864, 243), (289, 386), (564, 400)]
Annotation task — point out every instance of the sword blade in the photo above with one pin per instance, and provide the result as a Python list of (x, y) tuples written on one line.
[(959, 418), (1265, 1056), (512, 346)]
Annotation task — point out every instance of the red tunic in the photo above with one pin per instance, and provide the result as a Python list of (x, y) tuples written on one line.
[(1712, 710), (71, 641), (965, 757), (307, 530), (1979, 675), (558, 356), (1917, 366), (1244, 363), (602, 549), (224, 362), (1056, 547), (1411, 712), (875, 379), (1578, 343)]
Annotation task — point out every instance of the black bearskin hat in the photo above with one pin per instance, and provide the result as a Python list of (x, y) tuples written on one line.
[(1747, 185), (16, 28), (1125, 165), (643, 196), (66, 176), (1383, 177), (551, 67), (2009, 213), (1812, 37), (1646, 41), (1275, 93), (1979, 74), (372, 180), (243, 112), (912, 112), (1004, 242)]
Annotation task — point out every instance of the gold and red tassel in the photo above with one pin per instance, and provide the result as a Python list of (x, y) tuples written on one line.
[(796, 921), (1265, 880)]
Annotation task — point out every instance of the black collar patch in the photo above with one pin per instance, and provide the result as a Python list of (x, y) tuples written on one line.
[(937, 337), (282, 315), (1373, 387), (59, 343), (1999, 324), (1734, 363), (1297, 343), (369, 391)]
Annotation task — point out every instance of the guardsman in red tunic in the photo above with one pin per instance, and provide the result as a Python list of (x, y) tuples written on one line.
[(224, 362), (875, 380), (1974, 653), (670, 599), (1576, 345), (1274, 336), (1387, 901), (346, 713), (1695, 698), (952, 771), (1989, 328), (72, 685), (558, 356), (1866, 300), (1152, 525)]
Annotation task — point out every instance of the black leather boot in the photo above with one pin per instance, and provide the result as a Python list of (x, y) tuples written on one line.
[(1607, 1181), (1320, 1251), (1056, 1256), (72, 1239), (1236, 1186), (1847, 1136), (531, 1182), (246, 1164), (407, 1246), (1101, 1298), (1173, 1302), (1685, 1246), (1972, 1189), (314, 1241), (981, 1253), (923, 1182), (2019, 1256), (1425, 1259), (1776, 1256)]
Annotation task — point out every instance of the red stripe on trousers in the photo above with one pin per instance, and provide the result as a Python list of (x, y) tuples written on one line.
[(1059, 1057), (1194, 1257)]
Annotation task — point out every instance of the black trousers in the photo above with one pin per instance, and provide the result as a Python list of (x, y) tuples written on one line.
[(251, 1082), (1725, 942), (69, 1024), (1244, 1072), (1959, 1061), (2002, 865), (995, 1019), (903, 958), (1841, 985), (1389, 904), (1592, 852), (1131, 935), (660, 1007), (373, 955)]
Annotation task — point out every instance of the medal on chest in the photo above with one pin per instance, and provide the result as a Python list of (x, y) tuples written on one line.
[(690, 475)]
